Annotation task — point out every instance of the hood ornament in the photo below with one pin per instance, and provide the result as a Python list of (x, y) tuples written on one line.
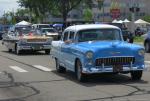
[(114, 53)]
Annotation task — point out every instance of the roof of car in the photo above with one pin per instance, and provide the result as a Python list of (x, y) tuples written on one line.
[(40, 24), (47, 28), (91, 26)]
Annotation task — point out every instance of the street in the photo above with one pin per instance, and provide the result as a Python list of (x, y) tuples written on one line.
[(32, 77)]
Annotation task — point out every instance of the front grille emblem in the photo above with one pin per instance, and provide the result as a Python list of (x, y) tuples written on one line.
[(114, 53)]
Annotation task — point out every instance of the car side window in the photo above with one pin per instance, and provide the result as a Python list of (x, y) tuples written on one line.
[(71, 36), (65, 36)]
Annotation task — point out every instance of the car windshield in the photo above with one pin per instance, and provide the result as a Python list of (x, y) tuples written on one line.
[(44, 26), (98, 35), (49, 30)]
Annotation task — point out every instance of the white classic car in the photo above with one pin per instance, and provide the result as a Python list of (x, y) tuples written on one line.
[(97, 48), (50, 32), (25, 39)]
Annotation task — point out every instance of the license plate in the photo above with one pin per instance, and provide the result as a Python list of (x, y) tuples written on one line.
[(117, 68), (36, 47)]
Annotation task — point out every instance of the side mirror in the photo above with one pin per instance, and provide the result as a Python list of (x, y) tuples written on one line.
[(68, 41)]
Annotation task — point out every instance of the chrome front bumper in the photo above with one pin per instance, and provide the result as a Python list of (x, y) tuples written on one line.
[(34, 47), (109, 69)]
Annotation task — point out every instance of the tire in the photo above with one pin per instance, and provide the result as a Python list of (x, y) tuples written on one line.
[(147, 47), (18, 52), (79, 75), (59, 68), (9, 50), (136, 75), (47, 51)]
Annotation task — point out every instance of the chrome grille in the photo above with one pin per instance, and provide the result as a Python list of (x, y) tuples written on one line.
[(36, 40), (115, 61)]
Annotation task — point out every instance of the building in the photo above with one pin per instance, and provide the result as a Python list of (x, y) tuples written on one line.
[(111, 9), (119, 9)]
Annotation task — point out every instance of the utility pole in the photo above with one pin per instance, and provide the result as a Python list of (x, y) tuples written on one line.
[(133, 9)]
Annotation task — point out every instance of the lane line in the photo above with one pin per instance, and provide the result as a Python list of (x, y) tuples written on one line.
[(147, 62), (18, 69), (42, 68), (147, 65)]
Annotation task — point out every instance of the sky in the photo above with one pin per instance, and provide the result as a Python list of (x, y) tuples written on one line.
[(8, 5)]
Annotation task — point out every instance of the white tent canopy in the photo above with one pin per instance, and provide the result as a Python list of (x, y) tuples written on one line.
[(23, 23), (126, 20), (114, 21), (140, 21), (120, 21)]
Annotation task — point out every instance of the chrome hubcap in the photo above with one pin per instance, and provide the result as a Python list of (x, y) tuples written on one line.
[(79, 71), (57, 65), (147, 47)]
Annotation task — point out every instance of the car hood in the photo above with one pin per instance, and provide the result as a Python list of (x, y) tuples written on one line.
[(110, 48), (33, 37), (48, 33)]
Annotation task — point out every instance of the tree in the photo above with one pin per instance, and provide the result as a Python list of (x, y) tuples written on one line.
[(38, 7), (146, 18), (55, 7), (87, 15), (63, 7), (9, 17)]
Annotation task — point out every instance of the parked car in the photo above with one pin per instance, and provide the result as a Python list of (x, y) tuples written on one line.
[(4, 29), (1, 34), (147, 42), (97, 48), (23, 38)]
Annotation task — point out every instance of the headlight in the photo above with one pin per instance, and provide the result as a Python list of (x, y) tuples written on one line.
[(141, 52), (89, 54)]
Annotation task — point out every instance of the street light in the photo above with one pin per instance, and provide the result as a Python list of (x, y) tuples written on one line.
[(133, 9)]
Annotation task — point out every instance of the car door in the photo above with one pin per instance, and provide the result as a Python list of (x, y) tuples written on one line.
[(64, 48), (70, 49)]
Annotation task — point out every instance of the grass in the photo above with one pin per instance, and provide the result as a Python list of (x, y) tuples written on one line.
[(138, 39)]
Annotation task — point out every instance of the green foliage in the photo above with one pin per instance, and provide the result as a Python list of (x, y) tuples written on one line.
[(130, 17), (138, 39), (87, 15), (39, 8), (146, 18), (59, 8), (55, 7)]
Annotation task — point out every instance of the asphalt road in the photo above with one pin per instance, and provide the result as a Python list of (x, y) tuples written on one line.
[(32, 77)]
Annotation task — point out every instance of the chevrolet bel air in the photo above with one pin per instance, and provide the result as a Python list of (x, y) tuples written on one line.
[(25, 39), (97, 48)]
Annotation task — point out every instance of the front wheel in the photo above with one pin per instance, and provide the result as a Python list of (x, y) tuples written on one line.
[(47, 51), (80, 76), (17, 51), (136, 75), (147, 47), (59, 68), (9, 50)]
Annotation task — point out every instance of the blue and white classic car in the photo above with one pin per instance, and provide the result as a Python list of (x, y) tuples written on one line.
[(97, 48)]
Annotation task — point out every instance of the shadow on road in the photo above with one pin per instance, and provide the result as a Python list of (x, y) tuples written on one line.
[(26, 53), (101, 79)]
